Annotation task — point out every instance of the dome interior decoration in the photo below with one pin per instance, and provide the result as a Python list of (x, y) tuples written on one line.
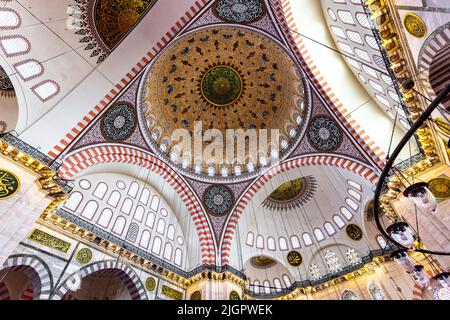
[(225, 77)]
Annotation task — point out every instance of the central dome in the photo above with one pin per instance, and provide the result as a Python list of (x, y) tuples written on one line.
[(227, 78)]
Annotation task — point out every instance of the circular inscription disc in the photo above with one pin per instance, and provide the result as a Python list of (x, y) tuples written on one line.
[(354, 232), (9, 184), (294, 258)]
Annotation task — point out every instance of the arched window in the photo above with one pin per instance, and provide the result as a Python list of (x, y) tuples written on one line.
[(139, 213), (46, 90), (315, 272), (155, 203), (133, 231), (171, 232), (319, 234), (74, 201), (307, 239), (9, 19), (353, 256), (266, 285), (90, 209), (250, 238), (332, 262), (363, 20), (256, 286), (295, 242), (260, 242), (339, 222), (145, 195), (352, 204), (134, 189), (168, 251), (119, 226), (376, 292), (382, 242), (30, 69), (126, 206), (178, 256), (150, 220), (164, 212), (100, 190), (145, 239), (346, 17), (161, 227), (114, 198), (156, 248), (277, 284), (105, 218), (329, 228), (14, 46), (354, 194), (347, 214), (283, 244), (286, 280), (270, 243), (349, 295)]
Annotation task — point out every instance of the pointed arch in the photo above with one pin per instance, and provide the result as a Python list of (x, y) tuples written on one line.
[(131, 281), (351, 165), (96, 155), (36, 270)]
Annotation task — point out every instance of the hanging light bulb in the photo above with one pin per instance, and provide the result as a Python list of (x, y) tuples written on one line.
[(403, 260), (421, 277), (440, 286), (420, 195), (402, 233)]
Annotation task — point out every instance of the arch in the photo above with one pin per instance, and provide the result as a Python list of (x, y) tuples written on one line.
[(131, 282), (349, 295), (375, 291), (432, 46), (307, 160), (36, 269), (92, 156)]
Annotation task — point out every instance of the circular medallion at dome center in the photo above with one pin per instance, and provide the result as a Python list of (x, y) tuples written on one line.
[(221, 85)]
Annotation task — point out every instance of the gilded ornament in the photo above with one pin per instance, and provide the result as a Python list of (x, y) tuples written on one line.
[(171, 293), (84, 256), (415, 25), (291, 194), (442, 125), (49, 241), (115, 18), (234, 295), (440, 187), (150, 284), (294, 258), (197, 295), (354, 232), (9, 184), (262, 262), (221, 85)]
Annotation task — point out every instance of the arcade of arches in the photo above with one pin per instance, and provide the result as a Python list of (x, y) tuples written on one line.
[(104, 194)]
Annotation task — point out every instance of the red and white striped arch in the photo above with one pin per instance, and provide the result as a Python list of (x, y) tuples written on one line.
[(302, 161), (96, 155), (283, 14)]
